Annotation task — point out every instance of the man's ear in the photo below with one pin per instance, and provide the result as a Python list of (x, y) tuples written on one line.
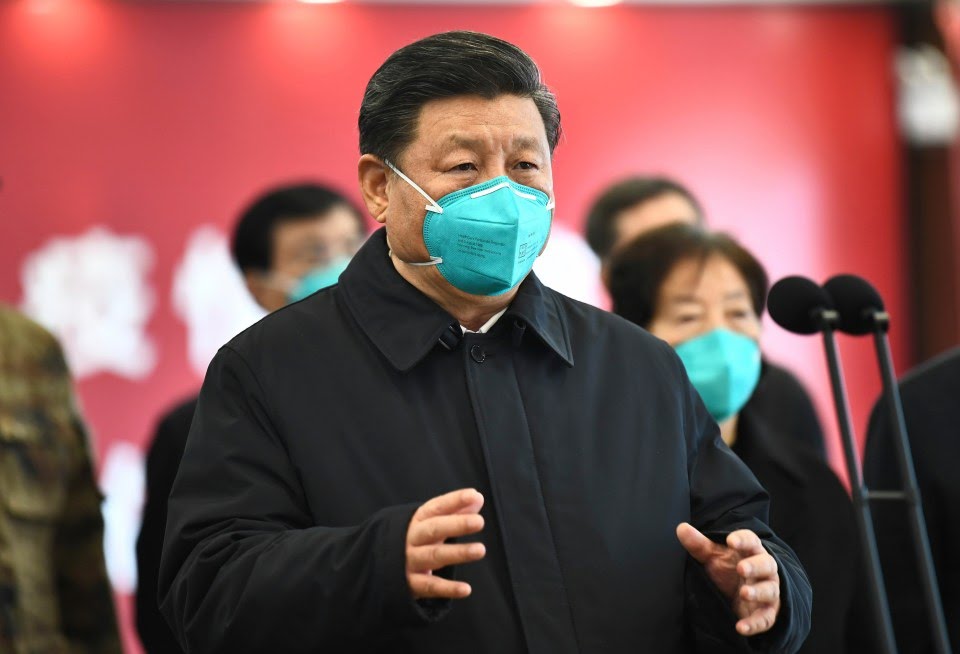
[(372, 173)]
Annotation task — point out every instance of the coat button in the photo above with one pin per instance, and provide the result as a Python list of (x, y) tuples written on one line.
[(477, 354)]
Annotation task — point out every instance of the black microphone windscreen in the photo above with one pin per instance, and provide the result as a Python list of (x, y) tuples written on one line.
[(856, 300), (794, 303)]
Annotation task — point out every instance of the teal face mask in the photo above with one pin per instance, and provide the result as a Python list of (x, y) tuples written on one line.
[(484, 239), (318, 278), (724, 367)]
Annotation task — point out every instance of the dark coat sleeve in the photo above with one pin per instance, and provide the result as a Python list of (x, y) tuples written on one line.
[(244, 567), (725, 497), (163, 460)]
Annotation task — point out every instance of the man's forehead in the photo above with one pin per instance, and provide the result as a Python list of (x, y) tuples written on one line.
[(462, 113)]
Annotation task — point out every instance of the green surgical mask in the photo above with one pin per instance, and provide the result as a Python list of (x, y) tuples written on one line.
[(724, 367), (317, 279), (485, 238)]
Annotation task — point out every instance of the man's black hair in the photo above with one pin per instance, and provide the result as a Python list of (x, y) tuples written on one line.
[(639, 269), (627, 193), (443, 66), (252, 245)]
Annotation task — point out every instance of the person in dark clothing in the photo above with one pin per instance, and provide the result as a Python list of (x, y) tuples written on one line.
[(439, 453), (704, 294), (163, 460), (289, 242), (931, 411), (635, 205)]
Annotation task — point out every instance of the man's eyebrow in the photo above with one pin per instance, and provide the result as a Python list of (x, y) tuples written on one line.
[(463, 141), (527, 143), (460, 141)]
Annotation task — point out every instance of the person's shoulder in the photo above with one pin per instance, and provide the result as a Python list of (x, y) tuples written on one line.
[(314, 315), (938, 375), (588, 320), (791, 459), (610, 338), (180, 413), (782, 383), (172, 430)]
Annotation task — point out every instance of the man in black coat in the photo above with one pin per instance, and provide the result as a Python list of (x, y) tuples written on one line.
[(931, 410), (440, 454), (290, 239)]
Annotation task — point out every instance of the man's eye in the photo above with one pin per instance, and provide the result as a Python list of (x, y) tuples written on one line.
[(527, 165), (464, 167)]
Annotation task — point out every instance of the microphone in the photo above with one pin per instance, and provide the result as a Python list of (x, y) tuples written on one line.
[(861, 311), (801, 306), (858, 303)]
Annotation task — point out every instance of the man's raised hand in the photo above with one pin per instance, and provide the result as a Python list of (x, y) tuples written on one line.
[(743, 571), (448, 516)]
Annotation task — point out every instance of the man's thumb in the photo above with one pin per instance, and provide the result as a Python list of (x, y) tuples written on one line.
[(699, 546)]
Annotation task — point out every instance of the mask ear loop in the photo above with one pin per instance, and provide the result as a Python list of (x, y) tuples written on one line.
[(433, 207)]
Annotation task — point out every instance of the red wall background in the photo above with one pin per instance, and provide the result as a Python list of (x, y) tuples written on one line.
[(152, 118)]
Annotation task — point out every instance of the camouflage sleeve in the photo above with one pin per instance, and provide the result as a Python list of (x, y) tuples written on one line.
[(86, 600)]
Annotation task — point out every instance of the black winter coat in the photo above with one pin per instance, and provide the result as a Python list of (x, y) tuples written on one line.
[(163, 461), (320, 430), (931, 410)]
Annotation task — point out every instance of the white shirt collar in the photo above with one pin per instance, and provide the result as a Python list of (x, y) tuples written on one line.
[(487, 325)]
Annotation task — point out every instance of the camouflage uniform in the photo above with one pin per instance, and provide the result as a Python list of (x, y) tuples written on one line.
[(54, 593)]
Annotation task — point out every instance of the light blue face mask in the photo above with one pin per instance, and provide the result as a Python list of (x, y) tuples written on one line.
[(724, 367), (317, 279), (484, 239)]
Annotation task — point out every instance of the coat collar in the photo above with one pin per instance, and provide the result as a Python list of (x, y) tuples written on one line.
[(404, 324)]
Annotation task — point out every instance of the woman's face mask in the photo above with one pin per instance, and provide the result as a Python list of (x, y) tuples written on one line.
[(724, 367)]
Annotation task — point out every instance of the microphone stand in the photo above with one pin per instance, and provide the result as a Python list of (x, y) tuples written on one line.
[(911, 492), (828, 320)]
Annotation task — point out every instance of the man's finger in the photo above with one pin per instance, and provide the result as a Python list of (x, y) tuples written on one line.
[(463, 500), (440, 528), (435, 557), (699, 546), (757, 622), (426, 586), (757, 567), (765, 591), (745, 542)]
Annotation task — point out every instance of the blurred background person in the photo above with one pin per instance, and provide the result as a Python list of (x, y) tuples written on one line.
[(636, 205), (931, 411), (54, 591), (704, 294), (290, 242)]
